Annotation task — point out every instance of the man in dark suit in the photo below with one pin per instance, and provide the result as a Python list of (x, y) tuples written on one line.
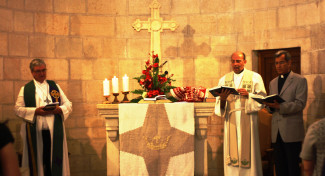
[(287, 117)]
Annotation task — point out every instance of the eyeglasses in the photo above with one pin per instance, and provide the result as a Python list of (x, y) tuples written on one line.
[(40, 71)]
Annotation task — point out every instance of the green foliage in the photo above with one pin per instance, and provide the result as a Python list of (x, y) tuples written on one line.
[(244, 162), (136, 100), (138, 91), (234, 161), (172, 99)]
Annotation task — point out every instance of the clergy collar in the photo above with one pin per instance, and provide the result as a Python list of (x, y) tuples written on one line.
[(39, 83), (284, 76), (240, 72)]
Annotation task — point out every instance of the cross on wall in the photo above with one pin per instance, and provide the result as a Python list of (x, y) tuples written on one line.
[(155, 25)]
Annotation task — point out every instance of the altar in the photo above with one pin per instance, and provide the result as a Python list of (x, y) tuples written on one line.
[(110, 112)]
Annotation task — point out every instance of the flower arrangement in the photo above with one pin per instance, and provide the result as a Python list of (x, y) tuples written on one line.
[(151, 81)]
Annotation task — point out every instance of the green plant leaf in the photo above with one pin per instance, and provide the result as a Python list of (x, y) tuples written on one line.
[(138, 91)]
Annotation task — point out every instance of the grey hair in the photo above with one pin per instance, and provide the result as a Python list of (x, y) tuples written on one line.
[(287, 55), (36, 62)]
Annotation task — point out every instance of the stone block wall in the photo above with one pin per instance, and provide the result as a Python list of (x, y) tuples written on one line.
[(85, 41)]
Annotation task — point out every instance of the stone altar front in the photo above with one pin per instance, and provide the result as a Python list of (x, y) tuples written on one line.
[(201, 113)]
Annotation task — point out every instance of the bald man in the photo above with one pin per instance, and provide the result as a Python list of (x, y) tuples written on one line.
[(241, 141)]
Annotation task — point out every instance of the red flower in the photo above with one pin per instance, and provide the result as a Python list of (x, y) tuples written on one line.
[(144, 71), (149, 86), (155, 65), (149, 68), (162, 79), (148, 62), (154, 55), (153, 93), (148, 77)]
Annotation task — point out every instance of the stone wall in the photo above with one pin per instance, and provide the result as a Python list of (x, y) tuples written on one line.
[(85, 41)]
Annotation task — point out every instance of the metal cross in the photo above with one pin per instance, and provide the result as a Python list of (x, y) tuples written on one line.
[(47, 101)]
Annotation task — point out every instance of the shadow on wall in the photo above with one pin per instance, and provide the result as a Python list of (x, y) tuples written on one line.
[(87, 155), (215, 162), (215, 145), (316, 110), (189, 50), (86, 137)]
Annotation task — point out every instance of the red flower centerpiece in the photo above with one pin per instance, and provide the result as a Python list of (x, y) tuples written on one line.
[(151, 81)]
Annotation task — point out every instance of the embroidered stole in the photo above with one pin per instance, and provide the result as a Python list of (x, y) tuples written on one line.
[(245, 129), (31, 138)]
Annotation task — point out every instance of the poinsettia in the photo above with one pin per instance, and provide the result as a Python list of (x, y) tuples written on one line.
[(151, 81)]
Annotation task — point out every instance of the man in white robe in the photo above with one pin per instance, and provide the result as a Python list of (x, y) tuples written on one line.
[(42, 92), (243, 158)]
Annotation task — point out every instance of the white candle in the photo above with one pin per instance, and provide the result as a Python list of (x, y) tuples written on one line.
[(106, 87), (115, 84), (125, 83)]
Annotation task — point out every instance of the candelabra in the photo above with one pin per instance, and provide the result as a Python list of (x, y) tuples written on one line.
[(106, 99), (115, 99), (125, 99)]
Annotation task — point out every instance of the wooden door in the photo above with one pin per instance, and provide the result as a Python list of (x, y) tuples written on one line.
[(266, 67)]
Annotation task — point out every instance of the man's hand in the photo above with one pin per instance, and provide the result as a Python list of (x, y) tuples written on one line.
[(57, 110), (224, 94), (308, 167), (223, 97), (242, 92), (40, 111), (274, 105)]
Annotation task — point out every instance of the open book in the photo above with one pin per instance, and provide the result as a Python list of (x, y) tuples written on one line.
[(158, 97), (269, 99), (50, 106), (219, 89)]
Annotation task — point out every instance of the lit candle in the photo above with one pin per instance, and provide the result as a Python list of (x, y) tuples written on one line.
[(125, 83), (115, 84), (106, 87)]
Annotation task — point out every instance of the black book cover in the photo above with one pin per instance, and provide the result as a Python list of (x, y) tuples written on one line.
[(50, 106), (219, 89), (269, 99)]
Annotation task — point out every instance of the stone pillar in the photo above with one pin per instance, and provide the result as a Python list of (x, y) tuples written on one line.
[(110, 113)]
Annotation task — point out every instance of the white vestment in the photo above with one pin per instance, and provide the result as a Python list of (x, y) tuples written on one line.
[(27, 114), (251, 108)]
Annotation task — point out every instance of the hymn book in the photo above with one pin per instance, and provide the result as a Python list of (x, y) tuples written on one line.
[(50, 107), (269, 99), (218, 89)]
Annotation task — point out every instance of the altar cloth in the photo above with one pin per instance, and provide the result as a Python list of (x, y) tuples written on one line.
[(156, 139)]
